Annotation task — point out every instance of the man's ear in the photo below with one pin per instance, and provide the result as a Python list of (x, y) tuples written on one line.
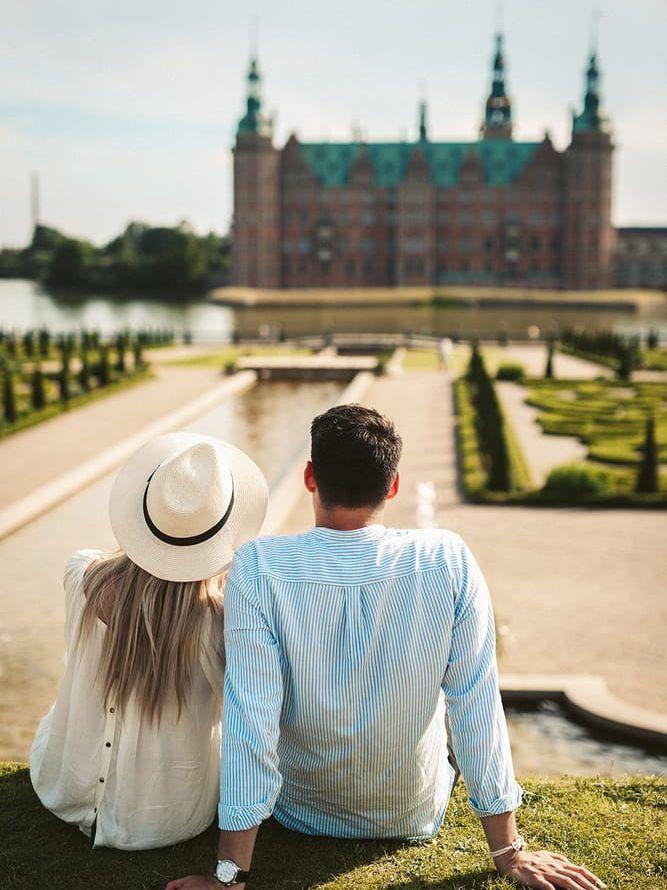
[(309, 478), (395, 485)]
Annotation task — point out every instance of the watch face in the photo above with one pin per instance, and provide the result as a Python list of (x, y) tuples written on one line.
[(226, 871)]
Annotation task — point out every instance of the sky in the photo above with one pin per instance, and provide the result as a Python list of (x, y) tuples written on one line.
[(127, 108)]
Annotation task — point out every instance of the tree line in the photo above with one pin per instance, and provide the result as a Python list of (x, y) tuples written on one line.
[(142, 258)]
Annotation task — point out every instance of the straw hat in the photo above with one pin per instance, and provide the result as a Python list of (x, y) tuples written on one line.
[(183, 504)]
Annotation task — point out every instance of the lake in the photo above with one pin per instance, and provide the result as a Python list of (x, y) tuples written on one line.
[(27, 304)]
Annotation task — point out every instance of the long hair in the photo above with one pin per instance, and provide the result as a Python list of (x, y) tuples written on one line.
[(154, 632)]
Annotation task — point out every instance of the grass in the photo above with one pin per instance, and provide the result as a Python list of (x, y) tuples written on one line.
[(654, 359), (31, 417), (221, 357), (617, 828)]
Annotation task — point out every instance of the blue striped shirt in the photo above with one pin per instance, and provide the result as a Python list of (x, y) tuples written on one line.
[(345, 649)]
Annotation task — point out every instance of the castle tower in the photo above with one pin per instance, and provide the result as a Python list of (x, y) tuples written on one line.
[(256, 225), (497, 123), (588, 232)]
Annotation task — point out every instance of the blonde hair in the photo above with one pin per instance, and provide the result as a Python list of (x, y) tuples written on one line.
[(154, 632)]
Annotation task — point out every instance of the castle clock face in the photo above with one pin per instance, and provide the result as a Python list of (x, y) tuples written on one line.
[(497, 117)]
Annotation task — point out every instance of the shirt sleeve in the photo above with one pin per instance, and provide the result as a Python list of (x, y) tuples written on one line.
[(250, 779), (477, 721)]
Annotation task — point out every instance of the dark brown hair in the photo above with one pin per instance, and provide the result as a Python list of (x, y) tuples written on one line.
[(355, 453)]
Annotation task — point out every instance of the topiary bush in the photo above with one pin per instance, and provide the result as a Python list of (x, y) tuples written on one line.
[(577, 481), (511, 371)]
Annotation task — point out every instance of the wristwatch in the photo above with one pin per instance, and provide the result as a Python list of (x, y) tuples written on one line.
[(228, 873)]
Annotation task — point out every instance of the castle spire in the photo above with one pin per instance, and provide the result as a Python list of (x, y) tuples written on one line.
[(592, 117), (254, 120), (497, 122), (423, 125)]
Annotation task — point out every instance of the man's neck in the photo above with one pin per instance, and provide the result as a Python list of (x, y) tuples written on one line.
[(346, 520)]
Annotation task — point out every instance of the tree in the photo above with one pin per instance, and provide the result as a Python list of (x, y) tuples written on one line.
[(44, 342), (84, 371), (120, 353), (70, 264), (38, 392), (9, 395), (648, 475), (549, 370), (29, 344), (138, 355), (63, 377), (104, 368), (625, 363)]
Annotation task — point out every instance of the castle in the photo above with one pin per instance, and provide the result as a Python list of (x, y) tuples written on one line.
[(367, 214)]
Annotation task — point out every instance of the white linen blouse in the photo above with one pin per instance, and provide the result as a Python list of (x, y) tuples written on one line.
[(144, 785)]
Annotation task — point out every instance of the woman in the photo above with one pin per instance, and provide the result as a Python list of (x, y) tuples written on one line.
[(129, 752)]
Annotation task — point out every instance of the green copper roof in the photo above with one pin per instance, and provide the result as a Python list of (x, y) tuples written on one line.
[(592, 118), (502, 160)]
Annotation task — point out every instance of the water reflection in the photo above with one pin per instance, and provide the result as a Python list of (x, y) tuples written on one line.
[(25, 304), (546, 743)]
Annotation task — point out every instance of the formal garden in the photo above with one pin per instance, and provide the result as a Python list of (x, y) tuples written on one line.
[(622, 423), (42, 374)]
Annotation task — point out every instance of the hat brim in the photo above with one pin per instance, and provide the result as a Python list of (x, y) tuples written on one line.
[(195, 562)]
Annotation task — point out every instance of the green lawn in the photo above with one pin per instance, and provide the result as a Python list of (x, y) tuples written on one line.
[(618, 828), (218, 358), (30, 417), (607, 416), (655, 359)]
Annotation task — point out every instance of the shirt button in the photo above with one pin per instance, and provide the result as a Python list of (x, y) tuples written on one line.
[(101, 780), (108, 745), (95, 810), (111, 710)]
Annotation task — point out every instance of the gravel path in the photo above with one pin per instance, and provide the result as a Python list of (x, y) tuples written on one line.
[(43, 452)]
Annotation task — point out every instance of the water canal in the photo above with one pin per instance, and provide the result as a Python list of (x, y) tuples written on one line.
[(26, 304)]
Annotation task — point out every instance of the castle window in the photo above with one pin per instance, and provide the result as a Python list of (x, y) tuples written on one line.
[(464, 267), (489, 245), (368, 267), (302, 266), (535, 244), (555, 243), (464, 245), (350, 267), (304, 245), (414, 266), (368, 245), (368, 218)]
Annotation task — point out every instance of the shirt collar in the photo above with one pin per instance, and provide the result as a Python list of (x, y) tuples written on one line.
[(372, 532)]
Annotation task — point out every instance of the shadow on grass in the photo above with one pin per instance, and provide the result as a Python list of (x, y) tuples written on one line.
[(39, 850)]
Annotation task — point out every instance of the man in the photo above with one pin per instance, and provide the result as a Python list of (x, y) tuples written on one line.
[(346, 646)]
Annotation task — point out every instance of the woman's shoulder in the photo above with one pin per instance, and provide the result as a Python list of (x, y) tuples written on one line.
[(77, 565)]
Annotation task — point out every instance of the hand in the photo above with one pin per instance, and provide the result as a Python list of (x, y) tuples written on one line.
[(547, 871), (194, 882)]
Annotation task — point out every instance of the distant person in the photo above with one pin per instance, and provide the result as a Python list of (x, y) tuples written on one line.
[(346, 648), (130, 751), (445, 349)]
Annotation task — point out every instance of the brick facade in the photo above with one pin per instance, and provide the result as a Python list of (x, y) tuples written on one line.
[(491, 212)]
